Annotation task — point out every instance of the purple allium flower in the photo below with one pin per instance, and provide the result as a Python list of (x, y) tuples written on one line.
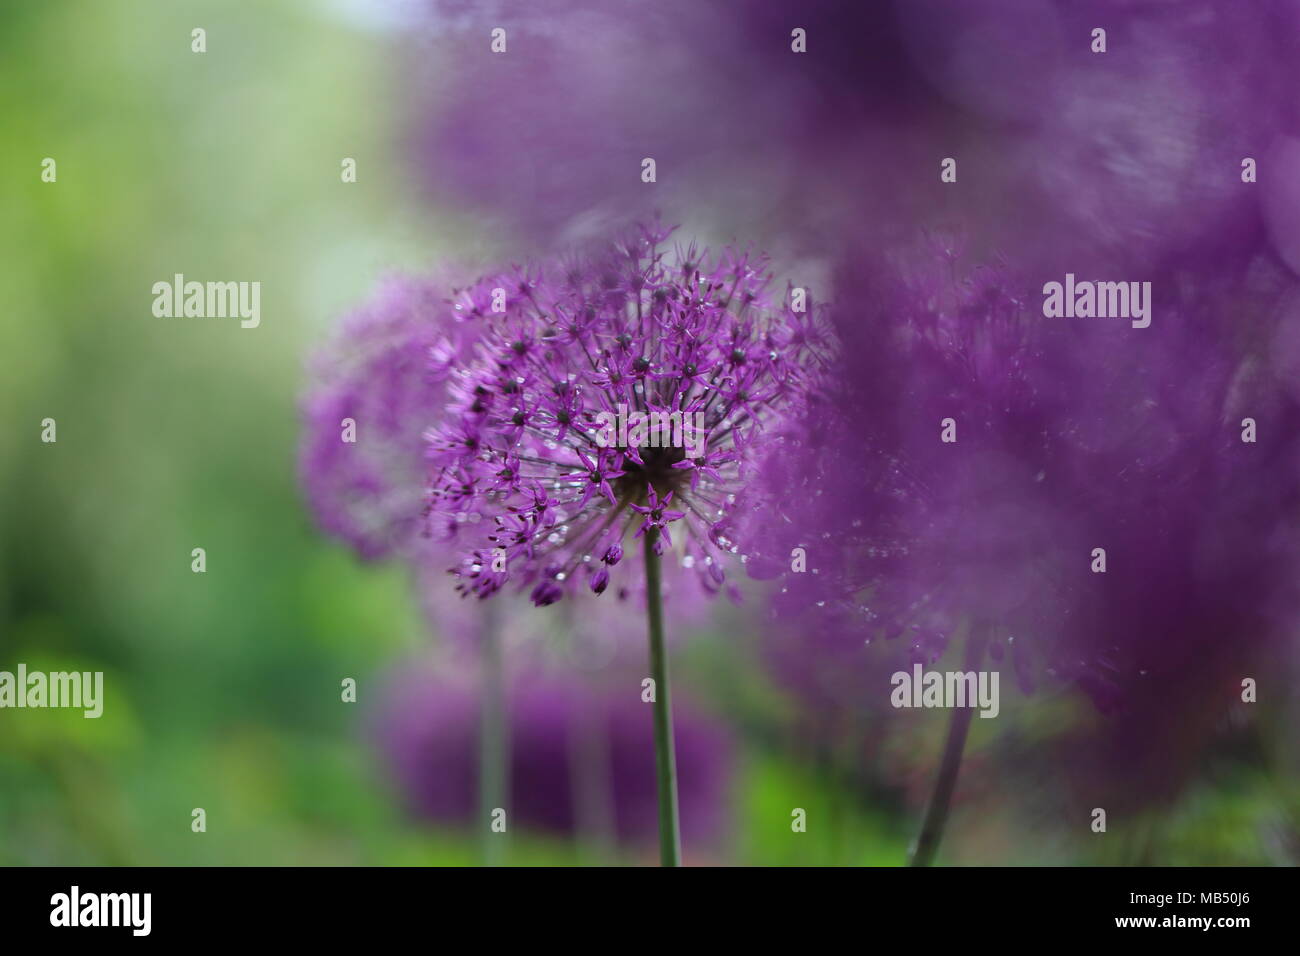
[(615, 392), (1071, 435), (579, 755), (384, 380), (1147, 141), (547, 139), (1134, 154), (372, 393)]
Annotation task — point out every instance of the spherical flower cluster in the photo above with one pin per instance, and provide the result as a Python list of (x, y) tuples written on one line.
[(1137, 151), (618, 393), (370, 396), (1097, 517)]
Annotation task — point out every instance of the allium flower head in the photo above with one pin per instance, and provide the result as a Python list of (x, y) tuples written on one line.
[(1070, 436), (617, 393), (370, 396)]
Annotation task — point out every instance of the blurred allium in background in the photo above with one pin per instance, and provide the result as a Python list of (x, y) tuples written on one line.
[(1070, 436), (546, 141), (1127, 157), (543, 438), (386, 372), (581, 755)]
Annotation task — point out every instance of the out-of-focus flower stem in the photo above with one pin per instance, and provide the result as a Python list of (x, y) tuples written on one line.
[(493, 766), (936, 813), (670, 845)]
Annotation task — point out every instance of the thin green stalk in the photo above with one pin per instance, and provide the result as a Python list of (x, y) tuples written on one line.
[(936, 813), (670, 844), (494, 748)]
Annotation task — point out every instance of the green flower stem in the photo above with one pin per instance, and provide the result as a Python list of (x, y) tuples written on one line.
[(670, 844), (936, 813)]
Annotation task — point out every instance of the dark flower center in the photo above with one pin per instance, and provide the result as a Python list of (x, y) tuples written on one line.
[(657, 472)]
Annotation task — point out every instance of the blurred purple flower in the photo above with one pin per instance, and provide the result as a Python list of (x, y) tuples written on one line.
[(386, 371), (548, 137), (1071, 435), (1132, 154), (581, 756)]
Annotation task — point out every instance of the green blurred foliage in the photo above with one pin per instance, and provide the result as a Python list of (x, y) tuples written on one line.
[(175, 434)]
